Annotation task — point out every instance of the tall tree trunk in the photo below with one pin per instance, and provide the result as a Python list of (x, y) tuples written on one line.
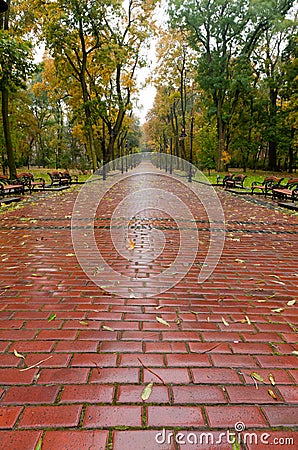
[(272, 144), (7, 134), (88, 121), (291, 152), (5, 110), (221, 137)]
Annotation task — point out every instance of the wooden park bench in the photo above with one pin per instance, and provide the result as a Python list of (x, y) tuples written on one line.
[(58, 179), (8, 186), (71, 178), (267, 185), (30, 182), (61, 178), (236, 182), (222, 180), (290, 191)]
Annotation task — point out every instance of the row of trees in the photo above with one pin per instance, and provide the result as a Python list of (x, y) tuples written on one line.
[(76, 104), (231, 68)]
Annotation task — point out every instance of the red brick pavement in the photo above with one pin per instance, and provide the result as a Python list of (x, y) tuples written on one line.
[(86, 392)]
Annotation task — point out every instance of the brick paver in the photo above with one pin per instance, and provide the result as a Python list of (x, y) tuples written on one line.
[(94, 352)]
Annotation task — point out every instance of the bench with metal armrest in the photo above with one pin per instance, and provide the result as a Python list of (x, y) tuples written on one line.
[(8, 186), (267, 185), (290, 191)]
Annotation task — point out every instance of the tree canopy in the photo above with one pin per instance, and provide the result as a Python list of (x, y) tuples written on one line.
[(227, 67)]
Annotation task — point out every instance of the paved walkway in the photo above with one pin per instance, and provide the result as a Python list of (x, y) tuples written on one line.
[(221, 355)]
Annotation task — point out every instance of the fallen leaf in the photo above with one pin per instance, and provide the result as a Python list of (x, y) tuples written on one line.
[(147, 391), (131, 244), (272, 394), (36, 376), (39, 444), (225, 322), (248, 320), (82, 322), (291, 303), (18, 355), (70, 254), (257, 377), (164, 322), (241, 261), (159, 307), (272, 380), (278, 282), (104, 327), (277, 310), (295, 352), (52, 317), (234, 441)]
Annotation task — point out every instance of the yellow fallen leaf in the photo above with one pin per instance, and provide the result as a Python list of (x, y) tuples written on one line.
[(291, 302), (225, 322), (104, 327), (257, 377), (248, 320), (159, 307), (277, 282), (147, 391), (131, 244), (272, 394), (18, 355), (70, 254), (277, 310), (82, 322), (272, 380), (295, 352), (164, 322)]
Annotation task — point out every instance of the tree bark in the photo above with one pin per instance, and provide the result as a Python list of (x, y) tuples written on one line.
[(7, 134), (5, 111), (272, 143)]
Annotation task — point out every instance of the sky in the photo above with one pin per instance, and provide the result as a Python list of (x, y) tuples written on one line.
[(147, 92)]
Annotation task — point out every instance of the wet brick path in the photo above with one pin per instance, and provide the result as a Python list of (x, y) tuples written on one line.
[(93, 353)]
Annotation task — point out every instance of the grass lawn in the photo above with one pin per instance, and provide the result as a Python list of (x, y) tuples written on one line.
[(252, 176), (40, 172)]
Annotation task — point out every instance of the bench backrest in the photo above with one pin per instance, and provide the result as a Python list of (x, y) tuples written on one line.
[(54, 175), (239, 177)]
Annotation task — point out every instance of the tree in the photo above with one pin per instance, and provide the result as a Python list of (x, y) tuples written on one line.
[(96, 46), (16, 65), (224, 34)]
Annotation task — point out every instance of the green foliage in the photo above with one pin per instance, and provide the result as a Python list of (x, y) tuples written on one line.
[(225, 34), (16, 62)]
